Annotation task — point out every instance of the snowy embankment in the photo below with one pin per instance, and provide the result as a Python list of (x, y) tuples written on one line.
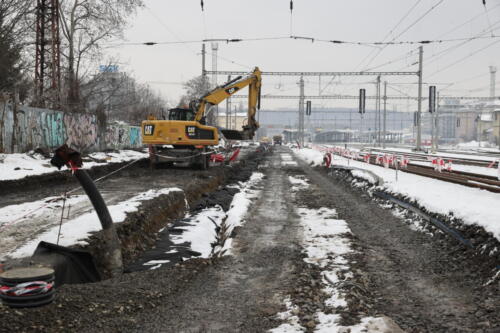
[(76, 230), (200, 230), (470, 205), (326, 245), (17, 166)]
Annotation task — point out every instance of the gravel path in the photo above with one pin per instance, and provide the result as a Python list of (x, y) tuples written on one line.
[(422, 285)]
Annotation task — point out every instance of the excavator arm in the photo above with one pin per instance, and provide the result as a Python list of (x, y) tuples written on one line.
[(219, 94)]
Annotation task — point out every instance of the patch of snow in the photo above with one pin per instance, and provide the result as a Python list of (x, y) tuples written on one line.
[(36, 164), (241, 202), (201, 230), (364, 175), (156, 262), (328, 323), (75, 231), (292, 322), (22, 213), (298, 183), (311, 156)]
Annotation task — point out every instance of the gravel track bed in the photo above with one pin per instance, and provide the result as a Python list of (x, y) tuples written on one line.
[(423, 284)]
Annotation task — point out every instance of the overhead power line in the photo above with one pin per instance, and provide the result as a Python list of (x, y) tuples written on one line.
[(389, 33), (406, 29), (464, 58), (311, 39)]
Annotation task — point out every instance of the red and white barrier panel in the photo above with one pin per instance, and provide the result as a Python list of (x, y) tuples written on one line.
[(327, 159), (404, 162)]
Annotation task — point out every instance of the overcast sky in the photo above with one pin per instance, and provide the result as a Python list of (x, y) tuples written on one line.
[(164, 67)]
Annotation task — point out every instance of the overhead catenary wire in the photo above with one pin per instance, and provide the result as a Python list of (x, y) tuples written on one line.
[(479, 35), (408, 28), (312, 39), (464, 58), (390, 31)]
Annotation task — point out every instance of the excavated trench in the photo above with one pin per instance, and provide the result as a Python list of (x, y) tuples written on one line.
[(155, 218)]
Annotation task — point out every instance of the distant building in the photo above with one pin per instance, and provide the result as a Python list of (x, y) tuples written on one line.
[(495, 128)]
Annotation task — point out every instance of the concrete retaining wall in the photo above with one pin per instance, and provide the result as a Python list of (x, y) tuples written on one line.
[(30, 128)]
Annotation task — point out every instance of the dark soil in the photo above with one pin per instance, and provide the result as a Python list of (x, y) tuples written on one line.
[(423, 284)]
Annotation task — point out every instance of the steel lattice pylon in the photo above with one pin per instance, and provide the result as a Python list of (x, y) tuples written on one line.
[(47, 61)]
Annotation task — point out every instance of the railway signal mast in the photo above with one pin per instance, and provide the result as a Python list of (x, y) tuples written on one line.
[(432, 110)]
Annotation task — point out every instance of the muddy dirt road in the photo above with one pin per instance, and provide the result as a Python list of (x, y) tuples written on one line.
[(406, 275)]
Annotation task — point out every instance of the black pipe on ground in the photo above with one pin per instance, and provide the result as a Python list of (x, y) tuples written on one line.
[(111, 256)]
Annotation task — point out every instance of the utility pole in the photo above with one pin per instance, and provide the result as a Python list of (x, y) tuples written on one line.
[(385, 115), (375, 117), (436, 141), (228, 105), (379, 94), (493, 71), (376, 132), (419, 109), (215, 113), (203, 68), (47, 55), (301, 112)]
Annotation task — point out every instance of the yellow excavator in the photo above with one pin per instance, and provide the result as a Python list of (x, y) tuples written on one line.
[(184, 137)]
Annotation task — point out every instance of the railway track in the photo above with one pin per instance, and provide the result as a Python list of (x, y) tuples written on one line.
[(484, 182), (456, 160), (462, 178)]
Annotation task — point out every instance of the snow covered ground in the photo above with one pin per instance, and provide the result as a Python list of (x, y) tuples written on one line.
[(73, 231), (16, 166), (471, 205)]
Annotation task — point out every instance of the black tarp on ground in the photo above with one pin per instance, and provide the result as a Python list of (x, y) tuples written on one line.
[(70, 265)]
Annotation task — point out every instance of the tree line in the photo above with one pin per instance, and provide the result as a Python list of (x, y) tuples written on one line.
[(85, 26)]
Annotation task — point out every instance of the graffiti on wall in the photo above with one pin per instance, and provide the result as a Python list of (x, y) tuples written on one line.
[(42, 128), (81, 131), (135, 136)]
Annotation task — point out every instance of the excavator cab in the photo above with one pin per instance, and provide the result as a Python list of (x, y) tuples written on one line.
[(181, 114)]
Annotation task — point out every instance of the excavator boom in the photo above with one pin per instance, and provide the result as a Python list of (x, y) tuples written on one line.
[(219, 94)]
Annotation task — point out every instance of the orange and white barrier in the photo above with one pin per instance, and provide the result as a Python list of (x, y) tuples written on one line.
[(448, 166), (404, 162)]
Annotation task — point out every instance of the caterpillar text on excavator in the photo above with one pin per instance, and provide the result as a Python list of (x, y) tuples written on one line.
[(184, 136)]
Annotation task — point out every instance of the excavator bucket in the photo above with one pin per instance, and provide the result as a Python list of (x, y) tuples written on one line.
[(233, 134)]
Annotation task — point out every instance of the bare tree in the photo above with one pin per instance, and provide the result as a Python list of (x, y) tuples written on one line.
[(13, 33), (195, 88), (121, 98), (85, 25)]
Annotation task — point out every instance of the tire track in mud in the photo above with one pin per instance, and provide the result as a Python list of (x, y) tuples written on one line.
[(416, 281)]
